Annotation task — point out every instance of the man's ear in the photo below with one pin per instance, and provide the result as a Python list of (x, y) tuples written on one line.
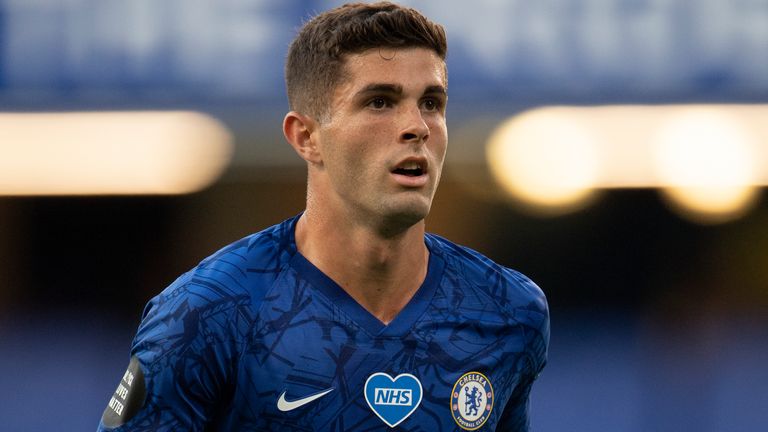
[(299, 131)]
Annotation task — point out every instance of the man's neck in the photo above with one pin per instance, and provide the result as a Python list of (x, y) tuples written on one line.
[(382, 273)]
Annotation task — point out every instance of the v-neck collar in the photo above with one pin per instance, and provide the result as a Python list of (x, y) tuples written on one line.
[(404, 320)]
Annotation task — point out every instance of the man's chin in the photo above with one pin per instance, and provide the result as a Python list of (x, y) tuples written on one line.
[(401, 219)]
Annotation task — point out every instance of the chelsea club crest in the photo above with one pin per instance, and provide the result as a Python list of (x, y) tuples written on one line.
[(472, 400)]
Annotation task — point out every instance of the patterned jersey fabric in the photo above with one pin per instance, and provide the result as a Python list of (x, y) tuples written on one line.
[(256, 338)]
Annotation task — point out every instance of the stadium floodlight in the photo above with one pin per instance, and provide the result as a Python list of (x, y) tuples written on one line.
[(708, 160), (111, 153), (546, 167), (708, 164)]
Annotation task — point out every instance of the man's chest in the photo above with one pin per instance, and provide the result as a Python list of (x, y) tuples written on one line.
[(320, 371)]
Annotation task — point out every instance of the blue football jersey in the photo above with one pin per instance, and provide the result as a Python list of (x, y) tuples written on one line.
[(256, 338)]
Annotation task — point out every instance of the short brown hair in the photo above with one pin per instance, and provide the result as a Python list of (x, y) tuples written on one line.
[(316, 57)]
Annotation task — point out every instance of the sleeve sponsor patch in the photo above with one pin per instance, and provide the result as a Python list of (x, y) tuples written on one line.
[(128, 398)]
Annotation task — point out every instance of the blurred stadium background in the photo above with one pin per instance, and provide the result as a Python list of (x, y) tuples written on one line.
[(659, 298)]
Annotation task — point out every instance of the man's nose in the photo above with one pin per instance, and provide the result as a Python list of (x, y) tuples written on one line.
[(414, 128)]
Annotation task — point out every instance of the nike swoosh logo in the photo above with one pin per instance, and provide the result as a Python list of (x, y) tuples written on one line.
[(286, 405)]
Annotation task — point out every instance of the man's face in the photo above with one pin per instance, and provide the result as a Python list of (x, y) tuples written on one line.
[(384, 143)]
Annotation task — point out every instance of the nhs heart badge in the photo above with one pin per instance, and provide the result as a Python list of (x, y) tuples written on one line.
[(393, 399)]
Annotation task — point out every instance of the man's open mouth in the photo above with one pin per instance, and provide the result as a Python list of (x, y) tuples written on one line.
[(410, 169)]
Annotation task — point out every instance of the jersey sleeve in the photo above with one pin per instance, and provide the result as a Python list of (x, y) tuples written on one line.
[(515, 417), (535, 316), (181, 359)]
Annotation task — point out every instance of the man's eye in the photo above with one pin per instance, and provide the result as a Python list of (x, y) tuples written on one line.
[(378, 103), (431, 105)]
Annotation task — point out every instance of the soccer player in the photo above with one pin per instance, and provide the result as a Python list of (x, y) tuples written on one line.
[(347, 317)]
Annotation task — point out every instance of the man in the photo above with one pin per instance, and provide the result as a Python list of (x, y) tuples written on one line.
[(347, 317)]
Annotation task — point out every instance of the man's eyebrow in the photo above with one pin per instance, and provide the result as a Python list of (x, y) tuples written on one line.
[(398, 89), (436, 89), (381, 88)]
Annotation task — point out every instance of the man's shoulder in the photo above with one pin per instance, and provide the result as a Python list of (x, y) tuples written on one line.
[(507, 287), (266, 251), (239, 272)]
